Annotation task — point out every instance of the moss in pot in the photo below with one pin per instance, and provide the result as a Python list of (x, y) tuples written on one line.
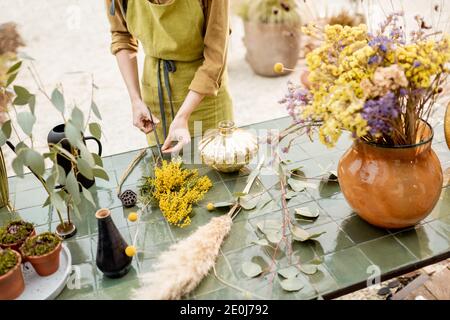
[(43, 252), (15, 233), (11, 278)]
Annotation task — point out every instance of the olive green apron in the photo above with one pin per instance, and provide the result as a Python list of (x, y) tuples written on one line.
[(172, 37)]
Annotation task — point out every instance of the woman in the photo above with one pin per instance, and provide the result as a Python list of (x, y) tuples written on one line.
[(184, 77)]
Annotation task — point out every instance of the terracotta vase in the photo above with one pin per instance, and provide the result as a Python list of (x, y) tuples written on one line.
[(46, 264), (392, 187), (12, 283), (111, 258), (268, 44)]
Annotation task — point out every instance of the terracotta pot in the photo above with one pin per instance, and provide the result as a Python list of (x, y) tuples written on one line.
[(16, 246), (46, 264), (392, 187), (12, 283), (447, 125), (268, 44)]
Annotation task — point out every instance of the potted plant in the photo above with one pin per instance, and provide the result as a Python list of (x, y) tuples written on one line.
[(12, 283), (382, 89), (272, 33), (73, 166), (14, 234), (42, 251)]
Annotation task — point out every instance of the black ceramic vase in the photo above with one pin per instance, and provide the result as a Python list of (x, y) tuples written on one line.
[(111, 258), (57, 135)]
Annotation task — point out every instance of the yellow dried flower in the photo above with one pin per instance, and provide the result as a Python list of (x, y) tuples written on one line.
[(176, 190)]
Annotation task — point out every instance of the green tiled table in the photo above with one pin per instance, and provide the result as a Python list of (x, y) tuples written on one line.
[(349, 249)]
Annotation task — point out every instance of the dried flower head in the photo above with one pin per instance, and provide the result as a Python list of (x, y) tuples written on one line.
[(10, 39)]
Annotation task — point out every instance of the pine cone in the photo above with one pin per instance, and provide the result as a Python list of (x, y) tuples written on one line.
[(10, 39)]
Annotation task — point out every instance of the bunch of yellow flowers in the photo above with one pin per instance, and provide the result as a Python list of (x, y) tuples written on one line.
[(176, 190), (345, 71)]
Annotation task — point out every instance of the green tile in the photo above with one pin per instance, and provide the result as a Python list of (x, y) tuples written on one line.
[(442, 226), (360, 231), (240, 236), (322, 280), (30, 198), (336, 208), (80, 250), (122, 160), (199, 217), (148, 254), (111, 183), (225, 293), (151, 234), (306, 293), (387, 253), (348, 266), (81, 283), (38, 215), (118, 289), (442, 208), (106, 199), (334, 239), (27, 182), (217, 193), (423, 241), (238, 185)]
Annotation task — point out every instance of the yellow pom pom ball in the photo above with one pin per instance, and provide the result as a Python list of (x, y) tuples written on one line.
[(210, 207), (133, 216), (130, 251), (278, 67)]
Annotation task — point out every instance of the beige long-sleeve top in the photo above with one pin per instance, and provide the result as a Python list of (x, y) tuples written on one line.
[(208, 78)]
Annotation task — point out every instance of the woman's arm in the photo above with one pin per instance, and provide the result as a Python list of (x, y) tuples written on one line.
[(125, 47), (127, 63), (208, 78)]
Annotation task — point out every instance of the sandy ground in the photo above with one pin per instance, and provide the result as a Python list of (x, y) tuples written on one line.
[(69, 40)]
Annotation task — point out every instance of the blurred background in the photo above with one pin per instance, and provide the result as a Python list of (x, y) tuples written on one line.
[(69, 41)]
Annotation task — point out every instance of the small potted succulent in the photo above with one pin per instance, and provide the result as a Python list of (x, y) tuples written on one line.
[(42, 251), (14, 234), (12, 283)]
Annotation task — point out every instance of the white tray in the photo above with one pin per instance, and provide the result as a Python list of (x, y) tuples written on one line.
[(46, 288)]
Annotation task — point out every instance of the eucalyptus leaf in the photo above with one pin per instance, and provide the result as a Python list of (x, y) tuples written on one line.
[(251, 269), (58, 100), (73, 187), (77, 119), (100, 173), (87, 194), (35, 161), (85, 169), (11, 79), (308, 269), (223, 204), (17, 165), (3, 138), (261, 242), (97, 159), (305, 212), (86, 154), (96, 110), (291, 194), (273, 236), (22, 96), (292, 284), (32, 103), (58, 202), (249, 201), (302, 235), (73, 134), (299, 185), (289, 272), (7, 129), (47, 202), (51, 181), (61, 174), (16, 66), (269, 225), (26, 121), (95, 130)]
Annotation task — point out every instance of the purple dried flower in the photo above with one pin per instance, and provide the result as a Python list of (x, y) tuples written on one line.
[(403, 92), (417, 64), (380, 112)]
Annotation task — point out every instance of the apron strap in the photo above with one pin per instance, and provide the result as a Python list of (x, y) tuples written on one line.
[(169, 66), (112, 8)]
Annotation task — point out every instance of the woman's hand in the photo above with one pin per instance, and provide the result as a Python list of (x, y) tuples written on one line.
[(179, 132), (141, 117)]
